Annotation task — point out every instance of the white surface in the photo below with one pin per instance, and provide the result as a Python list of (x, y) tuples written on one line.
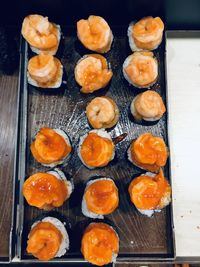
[(183, 71)]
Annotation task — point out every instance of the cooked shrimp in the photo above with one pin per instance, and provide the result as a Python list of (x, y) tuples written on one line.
[(102, 112), (95, 34), (44, 71), (146, 34), (101, 196), (141, 69), (50, 147), (92, 73), (45, 191), (100, 244), (148, 152), (148, 106), (40, 33), (44, 241), (96, 149), (150, 193)]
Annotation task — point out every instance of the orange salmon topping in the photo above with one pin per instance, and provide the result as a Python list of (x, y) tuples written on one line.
[(146, 192), (96, 151), (99, 243), (102, 197), (45, 191), (44, 241), (49, 146)]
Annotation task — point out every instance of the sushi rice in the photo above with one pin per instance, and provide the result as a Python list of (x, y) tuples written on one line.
[(64, 246), (84, 207), (99, 132)]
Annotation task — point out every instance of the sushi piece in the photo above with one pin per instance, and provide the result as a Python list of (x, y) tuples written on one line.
[(150, 193), (48, 239), (141, 69), (92, 73), (95, 34), (45, 71), (96, 149), (102, 112), (42, 35), (100, 244), (146, 34), (51, 147), (47, 190), (100, 198), (148, 152), (148, 106)]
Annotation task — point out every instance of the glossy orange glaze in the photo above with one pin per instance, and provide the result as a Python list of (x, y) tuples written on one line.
[(102, 197), (96, 151), (49, 146), (149, 152), (146, 192), (44, 241), (99, 243), (45, 191)]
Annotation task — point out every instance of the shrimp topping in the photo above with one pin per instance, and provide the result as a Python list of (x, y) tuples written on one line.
[(92, 73), (102, 112), (44, 241), (45, 70), (95, 34), (49, 146), (149, 152), (45, 191), (147, 33), (141, 69), (99, 243), (148, 105), (40, 33), (96, 151), (102, 196), (151, 193)]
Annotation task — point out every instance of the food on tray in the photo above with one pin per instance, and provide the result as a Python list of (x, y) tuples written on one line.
[(42, 35), (46, 190), (150, 192), (146, 34), (48, 239), (148, 152), (51, 147), (95, 34), (102, 112), (100, 244), (148, 106), (45, 71), (96, 149), (141, 69), (92, 73), (100, 198)]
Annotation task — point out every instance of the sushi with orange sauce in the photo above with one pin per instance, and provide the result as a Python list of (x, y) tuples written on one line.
[(47, 190), (148, 152), (92, 72), (100, 198), (95, 34), (51, 147), (145, 34), (96, 149), (42, 35), (47, 239), (150, 193), (45, 71), (100, 244)]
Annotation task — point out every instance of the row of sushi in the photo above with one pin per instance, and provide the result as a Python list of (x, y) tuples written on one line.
[(92, 72)]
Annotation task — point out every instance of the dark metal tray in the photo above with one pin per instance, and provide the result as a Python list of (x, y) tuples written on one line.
[(141, 238)]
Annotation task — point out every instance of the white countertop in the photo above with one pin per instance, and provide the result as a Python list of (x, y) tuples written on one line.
[(183, 76)]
